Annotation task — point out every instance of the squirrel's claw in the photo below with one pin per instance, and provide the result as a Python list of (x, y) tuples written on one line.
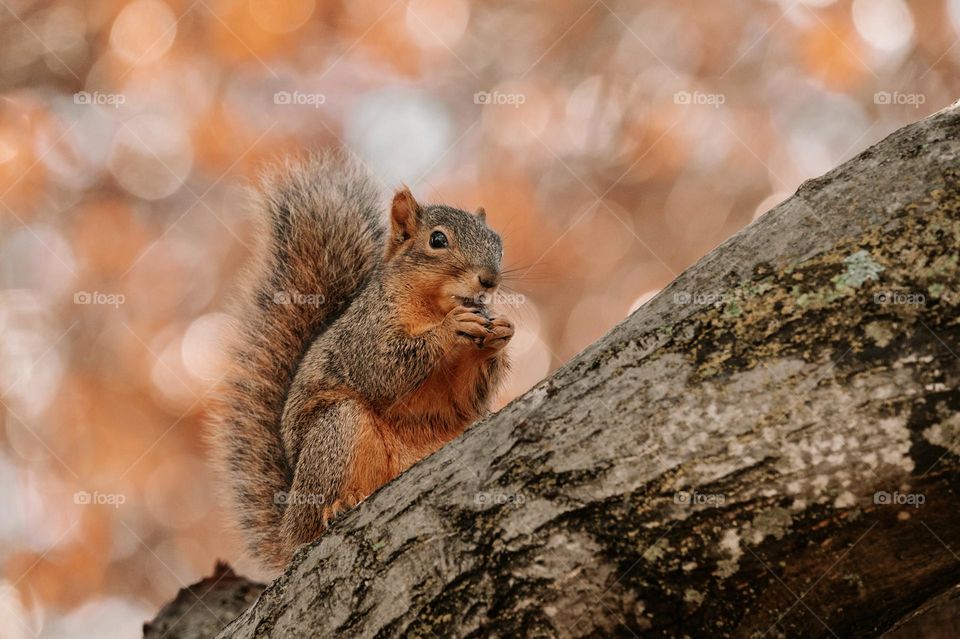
[(469, 324), (500, 332), (334, 510)]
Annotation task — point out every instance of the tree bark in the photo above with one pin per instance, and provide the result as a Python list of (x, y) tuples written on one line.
[(200, 610), (767, 448)]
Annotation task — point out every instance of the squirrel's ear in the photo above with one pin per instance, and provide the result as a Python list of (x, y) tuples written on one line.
[(481, 214), (404, 215)]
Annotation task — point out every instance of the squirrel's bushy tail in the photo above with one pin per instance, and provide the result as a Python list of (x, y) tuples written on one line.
[(320, 239)]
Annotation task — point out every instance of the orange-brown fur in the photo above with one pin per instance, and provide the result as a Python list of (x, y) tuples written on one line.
[(326, 403), (390, 443)]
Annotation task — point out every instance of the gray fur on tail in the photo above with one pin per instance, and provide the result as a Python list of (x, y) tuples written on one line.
[(320, 238)]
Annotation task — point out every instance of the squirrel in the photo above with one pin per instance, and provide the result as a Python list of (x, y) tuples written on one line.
[(361, 348)]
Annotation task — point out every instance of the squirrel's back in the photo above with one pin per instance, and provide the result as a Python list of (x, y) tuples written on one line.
[(320, 239)]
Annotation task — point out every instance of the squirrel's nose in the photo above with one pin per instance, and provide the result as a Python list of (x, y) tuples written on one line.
[(488, 279)]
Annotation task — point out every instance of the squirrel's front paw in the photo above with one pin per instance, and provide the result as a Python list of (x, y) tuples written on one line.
[(490, 333), (498, 334), (466, 322)]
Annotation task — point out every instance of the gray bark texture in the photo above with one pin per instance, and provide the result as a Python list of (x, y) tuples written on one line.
[(200, 610), (769, 448)]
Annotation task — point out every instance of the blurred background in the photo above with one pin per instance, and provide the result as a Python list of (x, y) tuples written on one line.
[(613, 143)]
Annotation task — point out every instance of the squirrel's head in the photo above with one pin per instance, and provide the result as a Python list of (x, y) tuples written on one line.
[(449, 254)]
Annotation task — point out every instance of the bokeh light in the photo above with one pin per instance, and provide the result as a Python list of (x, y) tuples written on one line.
[(143, 31)]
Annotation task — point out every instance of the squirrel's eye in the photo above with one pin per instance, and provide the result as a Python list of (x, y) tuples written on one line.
[(438, 240)]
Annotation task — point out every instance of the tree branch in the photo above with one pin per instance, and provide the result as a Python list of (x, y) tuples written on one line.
[(767, 448)]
